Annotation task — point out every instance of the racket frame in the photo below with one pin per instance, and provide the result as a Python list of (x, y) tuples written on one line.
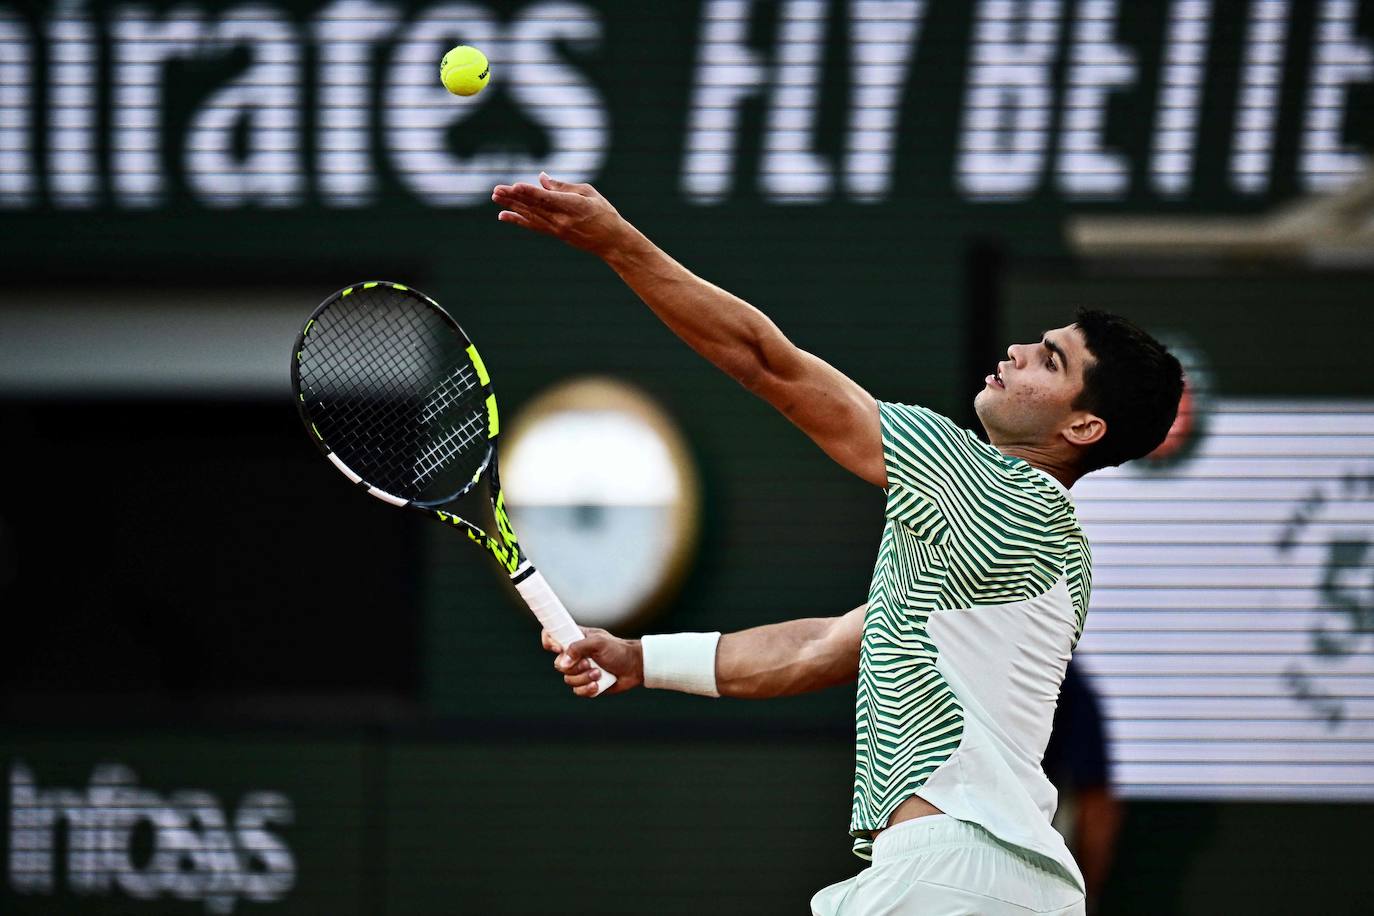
[(505, 547)]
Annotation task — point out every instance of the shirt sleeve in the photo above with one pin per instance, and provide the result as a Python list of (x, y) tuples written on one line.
[(919, 443), (923, 454)]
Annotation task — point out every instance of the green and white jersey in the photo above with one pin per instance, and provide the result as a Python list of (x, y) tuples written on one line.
[(978, 598)]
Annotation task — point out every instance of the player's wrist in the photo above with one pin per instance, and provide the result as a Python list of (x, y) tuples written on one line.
[(624, 246), (685, 662), (636, 664)]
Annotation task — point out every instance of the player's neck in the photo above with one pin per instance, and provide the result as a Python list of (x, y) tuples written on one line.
[(1058, 466)]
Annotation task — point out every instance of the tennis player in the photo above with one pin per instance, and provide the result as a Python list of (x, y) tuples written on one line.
[(978, 595)]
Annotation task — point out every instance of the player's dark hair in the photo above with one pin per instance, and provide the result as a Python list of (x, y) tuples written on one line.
[(1135, 385)]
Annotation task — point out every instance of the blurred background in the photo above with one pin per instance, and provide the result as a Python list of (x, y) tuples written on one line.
[(230, 684)]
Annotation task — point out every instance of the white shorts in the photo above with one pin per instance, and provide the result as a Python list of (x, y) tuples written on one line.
[(939, 866)]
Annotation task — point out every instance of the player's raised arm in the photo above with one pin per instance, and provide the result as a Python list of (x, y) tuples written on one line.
[(776, 660), (836, 412)]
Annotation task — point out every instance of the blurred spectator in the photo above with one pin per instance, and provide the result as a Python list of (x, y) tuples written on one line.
[(1077, 762)]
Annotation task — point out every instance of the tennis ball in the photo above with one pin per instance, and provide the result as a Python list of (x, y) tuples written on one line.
[(464, 70)]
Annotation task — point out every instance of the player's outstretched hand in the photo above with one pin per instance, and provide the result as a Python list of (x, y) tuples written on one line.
[(621, 657), (574, 213)]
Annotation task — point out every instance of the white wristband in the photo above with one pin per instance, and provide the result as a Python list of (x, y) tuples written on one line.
[(681, 661)]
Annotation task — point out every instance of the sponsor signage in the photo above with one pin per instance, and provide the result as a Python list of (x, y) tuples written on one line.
[(148, 824), (283, 105), (195, 846)]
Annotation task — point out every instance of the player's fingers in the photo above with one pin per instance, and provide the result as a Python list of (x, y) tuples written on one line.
[(590, 676), (554, 184), (506, 196), (587, 690), (529, 194), (536, 217), (540, 198), (524, 221), (531, 221), (547, 640), (567, 665), (584, 648)]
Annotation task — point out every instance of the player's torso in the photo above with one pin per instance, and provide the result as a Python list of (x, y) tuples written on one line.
[(977, 598)]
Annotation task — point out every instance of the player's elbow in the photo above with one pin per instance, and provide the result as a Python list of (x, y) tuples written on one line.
[(833, 654), (763, 382), (767, 364), (823, 668), (747, 369)]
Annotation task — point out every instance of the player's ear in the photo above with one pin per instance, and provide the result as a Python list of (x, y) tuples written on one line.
[(1084, 429)]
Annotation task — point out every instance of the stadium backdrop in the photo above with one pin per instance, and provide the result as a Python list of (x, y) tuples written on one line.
[(891, 182)]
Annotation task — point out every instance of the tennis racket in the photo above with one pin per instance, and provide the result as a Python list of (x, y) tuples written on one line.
[(394, 394)]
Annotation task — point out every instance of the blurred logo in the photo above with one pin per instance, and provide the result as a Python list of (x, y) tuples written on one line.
[(1345, 624), (120, 838), (1190, 426), (604, 492)]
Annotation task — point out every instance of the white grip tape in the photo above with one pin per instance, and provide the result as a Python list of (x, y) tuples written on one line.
[(555, 618)]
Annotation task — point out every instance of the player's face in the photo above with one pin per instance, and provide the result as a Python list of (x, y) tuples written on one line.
[(1028, 398)]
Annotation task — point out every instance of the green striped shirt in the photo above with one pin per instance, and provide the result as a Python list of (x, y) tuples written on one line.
[(978, 596)]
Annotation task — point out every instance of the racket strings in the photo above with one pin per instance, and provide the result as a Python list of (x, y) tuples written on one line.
[(439, 453), (411, 452), (392, 391), (450, 389), (460, 438)]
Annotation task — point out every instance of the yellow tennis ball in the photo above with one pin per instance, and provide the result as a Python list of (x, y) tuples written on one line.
[(464, 70)]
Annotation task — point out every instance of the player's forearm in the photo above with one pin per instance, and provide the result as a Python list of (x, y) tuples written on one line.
[(729, 332), (777, 660), (784, 659)]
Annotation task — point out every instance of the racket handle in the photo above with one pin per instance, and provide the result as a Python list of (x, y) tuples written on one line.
[(555, 618)]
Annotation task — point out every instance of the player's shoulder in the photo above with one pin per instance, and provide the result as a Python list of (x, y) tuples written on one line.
[(912, 422), (912, 414), (919, 437)]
